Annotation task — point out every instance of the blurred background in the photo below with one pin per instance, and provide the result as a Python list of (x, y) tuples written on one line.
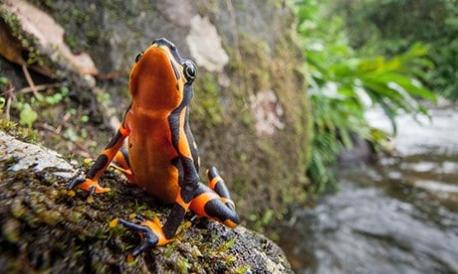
[(382, 80), (337, 119)]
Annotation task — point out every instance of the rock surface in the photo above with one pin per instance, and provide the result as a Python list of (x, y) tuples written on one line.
[(46, 228)]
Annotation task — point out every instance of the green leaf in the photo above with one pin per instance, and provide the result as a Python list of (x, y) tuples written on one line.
[(27, 115), (3, 81)]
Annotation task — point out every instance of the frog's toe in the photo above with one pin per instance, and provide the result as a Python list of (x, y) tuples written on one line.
[(87, 185), (149, 238), (152, 233), (75, 181)]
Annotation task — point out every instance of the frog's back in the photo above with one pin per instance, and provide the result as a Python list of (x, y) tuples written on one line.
[(157, 89), (151, 153)]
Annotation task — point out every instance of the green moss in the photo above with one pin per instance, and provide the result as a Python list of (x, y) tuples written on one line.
[(34, 55), (22, 133), (206, 105), (183, 265), (243, 269), (226, 245)]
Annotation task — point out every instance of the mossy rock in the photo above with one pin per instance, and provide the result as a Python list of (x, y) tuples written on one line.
[(46, 228)]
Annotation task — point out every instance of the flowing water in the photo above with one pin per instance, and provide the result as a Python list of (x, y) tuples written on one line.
[(398, 216)]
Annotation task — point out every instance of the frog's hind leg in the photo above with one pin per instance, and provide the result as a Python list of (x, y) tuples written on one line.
[(214, 201), (217, 183), (122, 163)]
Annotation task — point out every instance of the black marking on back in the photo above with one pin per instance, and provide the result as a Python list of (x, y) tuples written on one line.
[(190, 138), (174, 117), (137, 58)]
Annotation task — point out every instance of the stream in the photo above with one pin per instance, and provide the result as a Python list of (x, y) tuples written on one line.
[(399, 215)]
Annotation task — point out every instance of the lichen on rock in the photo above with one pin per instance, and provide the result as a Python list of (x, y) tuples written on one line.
[(32, 157), (205, 45)]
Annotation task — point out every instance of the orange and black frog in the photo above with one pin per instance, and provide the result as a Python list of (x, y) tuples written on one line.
[(161, 155)]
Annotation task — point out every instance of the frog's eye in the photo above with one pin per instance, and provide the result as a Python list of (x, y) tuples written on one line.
[(189, 69), (138, 57)]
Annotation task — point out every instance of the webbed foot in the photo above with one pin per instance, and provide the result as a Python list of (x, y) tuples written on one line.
[(87, 185)]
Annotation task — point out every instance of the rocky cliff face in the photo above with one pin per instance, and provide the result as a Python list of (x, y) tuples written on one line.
[(47, 228)]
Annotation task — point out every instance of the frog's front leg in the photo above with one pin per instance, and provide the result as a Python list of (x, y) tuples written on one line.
[(154, 233), (90, 182), (151, 231)]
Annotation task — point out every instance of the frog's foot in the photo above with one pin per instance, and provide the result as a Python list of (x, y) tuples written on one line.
[(88, 185), (151, 231)]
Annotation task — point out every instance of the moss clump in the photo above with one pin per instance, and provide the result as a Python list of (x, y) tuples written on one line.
[(206, 105), (22, 133)]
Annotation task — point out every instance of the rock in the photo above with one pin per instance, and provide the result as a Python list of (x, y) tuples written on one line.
[(177, 12), (32, 157), (47, 228), (205, 45), (267, 112), (33, 28)]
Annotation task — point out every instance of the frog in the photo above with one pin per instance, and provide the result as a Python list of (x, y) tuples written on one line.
[(155, 148)]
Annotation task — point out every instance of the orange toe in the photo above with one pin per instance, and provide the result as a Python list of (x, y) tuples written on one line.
[(156, 227), (88, 183)]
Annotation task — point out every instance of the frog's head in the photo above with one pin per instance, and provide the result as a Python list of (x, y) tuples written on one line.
[(160, 76)]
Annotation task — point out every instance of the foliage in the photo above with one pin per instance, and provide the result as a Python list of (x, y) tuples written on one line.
[(389, 27), (25, 105), (27, 115), (343, 85)]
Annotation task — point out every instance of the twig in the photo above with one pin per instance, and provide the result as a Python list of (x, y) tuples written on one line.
[(38, 88), (9, 98), (29, 80), (110, 75)]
